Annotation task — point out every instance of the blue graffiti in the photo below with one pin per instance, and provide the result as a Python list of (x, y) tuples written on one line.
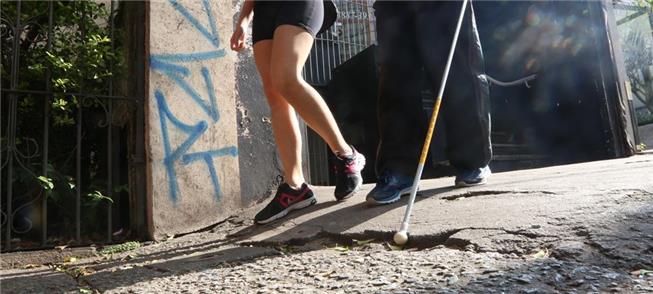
[(211, 36), (171, 66)]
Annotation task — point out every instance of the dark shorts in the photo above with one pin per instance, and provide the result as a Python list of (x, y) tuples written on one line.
[(268, 15)]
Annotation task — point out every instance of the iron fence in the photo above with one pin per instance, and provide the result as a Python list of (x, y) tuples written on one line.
[(71, 124), (353, 31)]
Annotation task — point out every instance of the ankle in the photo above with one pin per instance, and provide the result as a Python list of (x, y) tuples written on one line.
[(345, 152), (296, 186)]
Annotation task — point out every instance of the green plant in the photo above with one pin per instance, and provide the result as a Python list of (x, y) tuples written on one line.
[(72, 55), (118, 248), (639, 60)]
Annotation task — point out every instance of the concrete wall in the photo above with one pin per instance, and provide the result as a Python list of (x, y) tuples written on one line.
[(191, 116), (259, 163)]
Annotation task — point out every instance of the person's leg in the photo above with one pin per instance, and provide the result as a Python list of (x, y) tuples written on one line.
[(292, 45), (465, 105), (294, 193), (285, 126), (401, 118)]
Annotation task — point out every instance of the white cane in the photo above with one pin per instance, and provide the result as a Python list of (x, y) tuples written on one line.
[(401, 237)]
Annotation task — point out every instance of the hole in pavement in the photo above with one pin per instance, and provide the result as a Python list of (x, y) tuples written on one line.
[(326, 240), (469, 194)]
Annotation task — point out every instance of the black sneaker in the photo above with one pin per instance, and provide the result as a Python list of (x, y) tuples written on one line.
[(348, 175), (285, 200)]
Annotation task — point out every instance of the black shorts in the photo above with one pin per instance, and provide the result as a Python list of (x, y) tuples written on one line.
[(268, 15)]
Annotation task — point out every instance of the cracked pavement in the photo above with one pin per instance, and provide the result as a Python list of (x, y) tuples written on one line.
[(574, 228)]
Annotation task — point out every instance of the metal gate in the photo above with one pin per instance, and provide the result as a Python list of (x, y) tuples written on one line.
[(71, 121), (353, 31)]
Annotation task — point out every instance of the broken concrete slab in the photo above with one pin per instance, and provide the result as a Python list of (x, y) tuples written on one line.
[(511, 201)]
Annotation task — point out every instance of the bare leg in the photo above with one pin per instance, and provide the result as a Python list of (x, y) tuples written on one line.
[(291, 48), (284, 120)]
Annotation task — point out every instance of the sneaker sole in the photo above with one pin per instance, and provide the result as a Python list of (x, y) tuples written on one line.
[(299, 205), (361, 162), (403, 192), (353, 192), (463, 184)]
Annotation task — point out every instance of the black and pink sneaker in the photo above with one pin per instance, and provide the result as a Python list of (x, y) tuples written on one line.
[(285, 200), (348, 174)]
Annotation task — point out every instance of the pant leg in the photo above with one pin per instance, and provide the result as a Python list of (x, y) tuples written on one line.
[(465, 106), (401, 119)]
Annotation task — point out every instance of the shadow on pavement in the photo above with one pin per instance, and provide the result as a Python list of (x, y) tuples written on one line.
[(599, 249)]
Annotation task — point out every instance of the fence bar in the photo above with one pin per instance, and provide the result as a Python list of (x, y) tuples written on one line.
[(110, 134), (80, 107), (11, 132), (323, 66), (46, 130)]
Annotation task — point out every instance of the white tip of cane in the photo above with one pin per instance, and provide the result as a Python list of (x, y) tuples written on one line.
[(401, 238)]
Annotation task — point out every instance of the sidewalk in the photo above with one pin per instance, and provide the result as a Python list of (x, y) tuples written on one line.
[(584, 226)]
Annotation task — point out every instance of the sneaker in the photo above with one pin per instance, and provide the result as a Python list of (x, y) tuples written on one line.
[(285, 200), (390, 187), (348, 175), (473, 177)]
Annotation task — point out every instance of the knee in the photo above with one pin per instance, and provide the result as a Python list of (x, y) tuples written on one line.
[(287, 85), (276, 101)]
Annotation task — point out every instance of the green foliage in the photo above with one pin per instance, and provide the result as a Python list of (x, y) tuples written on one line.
[(78, 57), (75, 54), (97, 196), (46, 183), (118, 248), (644, 118), (638, 59)]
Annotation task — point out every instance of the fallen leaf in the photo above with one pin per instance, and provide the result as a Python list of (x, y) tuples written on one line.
[(340, 248), (363, 242), (69, 259), (85, 291), (395, 247), (62, 247), (542, 253)]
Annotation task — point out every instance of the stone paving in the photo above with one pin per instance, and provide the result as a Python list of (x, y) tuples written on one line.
[(567, 229)]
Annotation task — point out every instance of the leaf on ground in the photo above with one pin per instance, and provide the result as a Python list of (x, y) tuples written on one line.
[(85, 271), (642, 272), (395, 247), (340, 248), (69, 259), (85, 291), (363, 242), (542, 253), (61, 248), (129, 257)]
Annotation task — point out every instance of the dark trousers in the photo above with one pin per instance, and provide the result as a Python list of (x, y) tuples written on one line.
[(416, 35)]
